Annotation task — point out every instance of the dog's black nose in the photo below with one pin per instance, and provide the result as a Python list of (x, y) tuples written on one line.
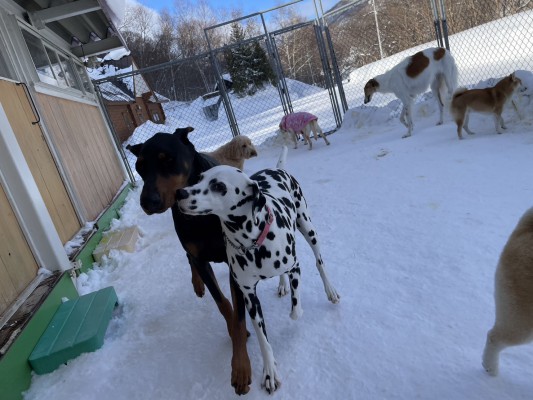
[(151, 203), (181, 194)]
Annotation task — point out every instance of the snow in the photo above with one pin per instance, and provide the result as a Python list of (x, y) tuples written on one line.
[(116, 54), (411, 231), (115, 10)]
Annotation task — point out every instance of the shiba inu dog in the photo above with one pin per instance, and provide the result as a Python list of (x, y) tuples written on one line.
[(488, 100)]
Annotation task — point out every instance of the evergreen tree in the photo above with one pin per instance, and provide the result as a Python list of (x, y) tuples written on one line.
[(247, 64)]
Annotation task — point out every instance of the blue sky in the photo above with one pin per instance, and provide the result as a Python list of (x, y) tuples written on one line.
[(306, 7)]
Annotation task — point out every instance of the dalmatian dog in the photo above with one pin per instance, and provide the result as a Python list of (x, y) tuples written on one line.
[(259, 216)]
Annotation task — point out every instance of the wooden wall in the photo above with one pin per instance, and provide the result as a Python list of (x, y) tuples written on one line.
[(39, 159), (86, 150), (17, 265)]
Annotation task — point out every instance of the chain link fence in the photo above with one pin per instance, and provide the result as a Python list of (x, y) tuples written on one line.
[(319, 68), (488, 39)]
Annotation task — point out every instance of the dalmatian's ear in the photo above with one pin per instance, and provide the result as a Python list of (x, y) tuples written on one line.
[(258, 201)]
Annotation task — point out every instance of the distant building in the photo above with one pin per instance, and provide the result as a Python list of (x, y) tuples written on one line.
[(129, 101)]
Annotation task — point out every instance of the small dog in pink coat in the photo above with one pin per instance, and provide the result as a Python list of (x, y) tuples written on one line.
[(301, 123)]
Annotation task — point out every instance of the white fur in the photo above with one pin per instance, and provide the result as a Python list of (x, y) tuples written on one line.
[(437, 74)]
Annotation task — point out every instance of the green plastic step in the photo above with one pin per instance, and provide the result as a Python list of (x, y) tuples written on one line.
[(77, 327)]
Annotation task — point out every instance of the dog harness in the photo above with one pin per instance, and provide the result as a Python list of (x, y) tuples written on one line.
[(259, 241)]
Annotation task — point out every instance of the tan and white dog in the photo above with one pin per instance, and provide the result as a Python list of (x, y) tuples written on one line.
[(513, 295), (433, 67), (301, 123), (234, 152), (488, 100)]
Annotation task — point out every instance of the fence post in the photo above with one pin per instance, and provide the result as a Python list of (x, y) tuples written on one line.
[(436, 23), (327, 73), (444, 24), (222, 88)]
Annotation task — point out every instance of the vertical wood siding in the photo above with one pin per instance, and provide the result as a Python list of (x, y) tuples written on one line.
[(87, 152)]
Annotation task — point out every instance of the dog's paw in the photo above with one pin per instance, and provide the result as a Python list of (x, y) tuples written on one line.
[(406, 135), (283, 286), (296, 313), (270, 381), (491, 370), (199, 287)]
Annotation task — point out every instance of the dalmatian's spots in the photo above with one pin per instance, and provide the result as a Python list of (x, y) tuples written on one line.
[(259, 216)]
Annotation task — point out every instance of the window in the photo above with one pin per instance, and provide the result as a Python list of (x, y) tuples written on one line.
[(155, 117), (85, 81), (39, 57), (54, 67)]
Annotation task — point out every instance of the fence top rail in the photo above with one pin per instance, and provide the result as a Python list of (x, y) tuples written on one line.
[(250, 15), (292, 28)]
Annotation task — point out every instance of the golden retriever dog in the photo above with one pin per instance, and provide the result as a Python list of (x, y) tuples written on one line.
[(513, 294), (488, 100), (234, 152)]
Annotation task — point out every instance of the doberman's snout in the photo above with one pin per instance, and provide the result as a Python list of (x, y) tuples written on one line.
[(151, 202), (181, 194)]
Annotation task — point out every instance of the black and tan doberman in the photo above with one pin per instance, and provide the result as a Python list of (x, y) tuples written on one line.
[(166, 163)]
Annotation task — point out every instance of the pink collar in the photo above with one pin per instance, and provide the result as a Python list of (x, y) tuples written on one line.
[(266, 229), (256, 243)]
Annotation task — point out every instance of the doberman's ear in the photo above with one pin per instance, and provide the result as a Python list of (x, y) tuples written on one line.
[(135, 149), (183, 132)]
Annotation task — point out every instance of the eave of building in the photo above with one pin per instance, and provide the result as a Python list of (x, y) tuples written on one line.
[(84, 24)]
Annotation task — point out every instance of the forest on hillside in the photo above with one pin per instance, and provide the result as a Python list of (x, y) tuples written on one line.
[(360, 34)]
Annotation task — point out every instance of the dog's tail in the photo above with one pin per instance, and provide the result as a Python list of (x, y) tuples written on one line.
[(282, 158)]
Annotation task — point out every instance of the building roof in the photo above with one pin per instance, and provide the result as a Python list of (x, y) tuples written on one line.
[(88, 25)]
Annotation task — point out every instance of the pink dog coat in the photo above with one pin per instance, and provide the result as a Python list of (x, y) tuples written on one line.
[(296, 122)]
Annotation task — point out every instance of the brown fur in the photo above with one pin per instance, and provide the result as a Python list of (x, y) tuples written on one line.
[(234, 152), (489, 100), (419, 62), (513, 295), (439, 53)]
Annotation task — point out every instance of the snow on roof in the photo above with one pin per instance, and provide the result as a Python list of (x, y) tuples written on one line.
[(111, 92), (115, 10), (116, 54)]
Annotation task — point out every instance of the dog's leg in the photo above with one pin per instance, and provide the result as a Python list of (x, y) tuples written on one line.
[(307, 229), (402, 117), (241, 370), (408, 119), (307, 139), (435, 89), (465, 125), (320, 132), (197, 282), (491, 353), (283, 286), (294, 277), (294, 138), (498, 120), (208, 277), (270, 381)]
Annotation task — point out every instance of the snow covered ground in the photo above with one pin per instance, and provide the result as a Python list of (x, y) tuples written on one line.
[(411, 231)]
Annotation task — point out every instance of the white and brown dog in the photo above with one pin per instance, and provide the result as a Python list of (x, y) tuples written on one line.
[(412, 76), (259, 216), (301, 123), (513, 294), (234, 152), (489, 100)]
